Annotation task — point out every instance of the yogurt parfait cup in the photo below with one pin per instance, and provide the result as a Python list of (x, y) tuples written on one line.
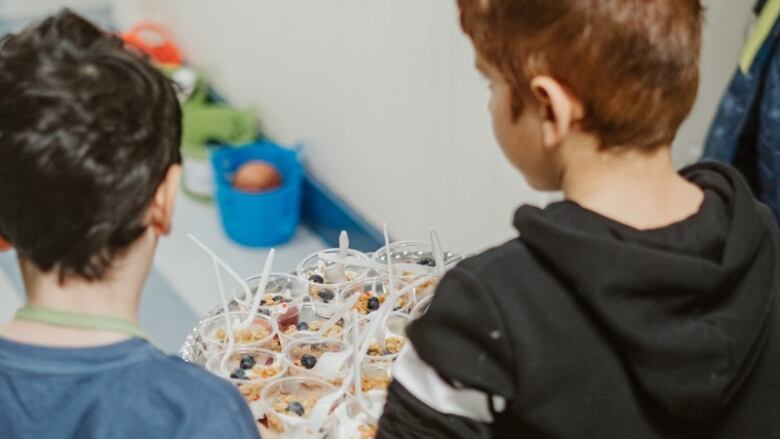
[(305, 318), (318, 272), (373, 294), (289, 403), (421, 307), (306, 356), (411, 253), (355, 419), (249, 369), (260, 333), (385, 346), (282, 289), (374, 379)]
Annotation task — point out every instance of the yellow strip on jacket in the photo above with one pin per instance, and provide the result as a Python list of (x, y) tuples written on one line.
[(764, 26)]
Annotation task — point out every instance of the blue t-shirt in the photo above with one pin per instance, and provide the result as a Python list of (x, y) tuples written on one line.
[(126, 390)]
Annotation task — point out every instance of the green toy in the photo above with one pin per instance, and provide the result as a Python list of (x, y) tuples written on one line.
[(204, 121)]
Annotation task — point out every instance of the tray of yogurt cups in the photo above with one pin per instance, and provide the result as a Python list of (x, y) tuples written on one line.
[(311, 351)]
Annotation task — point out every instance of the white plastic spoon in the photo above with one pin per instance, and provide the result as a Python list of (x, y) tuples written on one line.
[(335, 273), (322, 408), (358, 382), (330, 363), (438, 253), (338, 315), (269, 261), (239, 279), (228, 324), (379, 314), (363, 263)]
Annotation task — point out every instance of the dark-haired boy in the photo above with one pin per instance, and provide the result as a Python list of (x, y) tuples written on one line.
[(89, 168), (645, 304)]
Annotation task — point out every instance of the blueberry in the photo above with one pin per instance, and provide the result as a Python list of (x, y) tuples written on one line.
[(327, 295), (308, 361), (317, 279), (295, 407), (238, 374), (262, 302), (427, 261), (302, 326), (264, 311), (373, 304), (247, 362), (278, 298)]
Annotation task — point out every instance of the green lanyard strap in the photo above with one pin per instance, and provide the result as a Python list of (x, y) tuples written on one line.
[(79, 320)]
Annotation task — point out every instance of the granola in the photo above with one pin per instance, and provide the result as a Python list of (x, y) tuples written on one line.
[(391, 346), (376, 382), (371, 301), (334, 331), (367, 431), (243, 336), (291, 405)]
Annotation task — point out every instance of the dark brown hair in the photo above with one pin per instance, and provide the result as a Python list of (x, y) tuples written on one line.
[(88, 131), (634, 64)]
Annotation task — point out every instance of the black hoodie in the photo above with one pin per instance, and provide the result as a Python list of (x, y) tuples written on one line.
[(593, 329)]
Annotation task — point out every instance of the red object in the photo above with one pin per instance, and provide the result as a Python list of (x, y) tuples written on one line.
[(290, 318), (154, 40), (5, 245)]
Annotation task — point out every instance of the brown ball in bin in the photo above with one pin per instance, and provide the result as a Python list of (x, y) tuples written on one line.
[(257, 176)]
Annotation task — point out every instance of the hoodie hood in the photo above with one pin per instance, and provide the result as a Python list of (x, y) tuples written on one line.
[(687, 306)]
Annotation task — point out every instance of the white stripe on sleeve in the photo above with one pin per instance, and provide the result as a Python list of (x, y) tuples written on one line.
[(425, 384)]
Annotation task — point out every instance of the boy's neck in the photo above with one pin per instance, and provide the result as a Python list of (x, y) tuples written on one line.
[(638, 188), (117, 294)]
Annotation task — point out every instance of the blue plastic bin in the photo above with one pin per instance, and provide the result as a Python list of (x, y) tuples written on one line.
[(260, 219)]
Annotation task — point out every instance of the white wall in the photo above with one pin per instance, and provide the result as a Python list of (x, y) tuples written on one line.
[(384, 95), (726, 29), (21, 9), (16, 14)]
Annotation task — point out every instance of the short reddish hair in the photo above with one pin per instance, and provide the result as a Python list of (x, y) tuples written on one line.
[(634, 64)]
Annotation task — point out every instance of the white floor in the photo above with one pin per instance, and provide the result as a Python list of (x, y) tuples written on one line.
[(182, 285)]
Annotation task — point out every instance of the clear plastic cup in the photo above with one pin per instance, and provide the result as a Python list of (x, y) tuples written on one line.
[(386, 345), (373, 293), (421, 307), (304, 355), (313, 270), (260, 334), (412, 252), (282, 288), (303, 319), (374, 379), (355, 418), (250, 369), (289, 403)]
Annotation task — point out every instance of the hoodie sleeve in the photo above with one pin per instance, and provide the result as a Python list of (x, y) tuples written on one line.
[(463, 336), (456, 373), (407, 417)]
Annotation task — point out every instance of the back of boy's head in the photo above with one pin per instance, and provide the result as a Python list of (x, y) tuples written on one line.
[(88, 132), (634, 64)]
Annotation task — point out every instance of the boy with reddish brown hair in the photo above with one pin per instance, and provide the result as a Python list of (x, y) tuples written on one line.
[(642, 306)]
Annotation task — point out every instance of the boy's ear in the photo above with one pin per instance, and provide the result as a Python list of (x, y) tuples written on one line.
[(161, 210), (5, 245), (560, 110)]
